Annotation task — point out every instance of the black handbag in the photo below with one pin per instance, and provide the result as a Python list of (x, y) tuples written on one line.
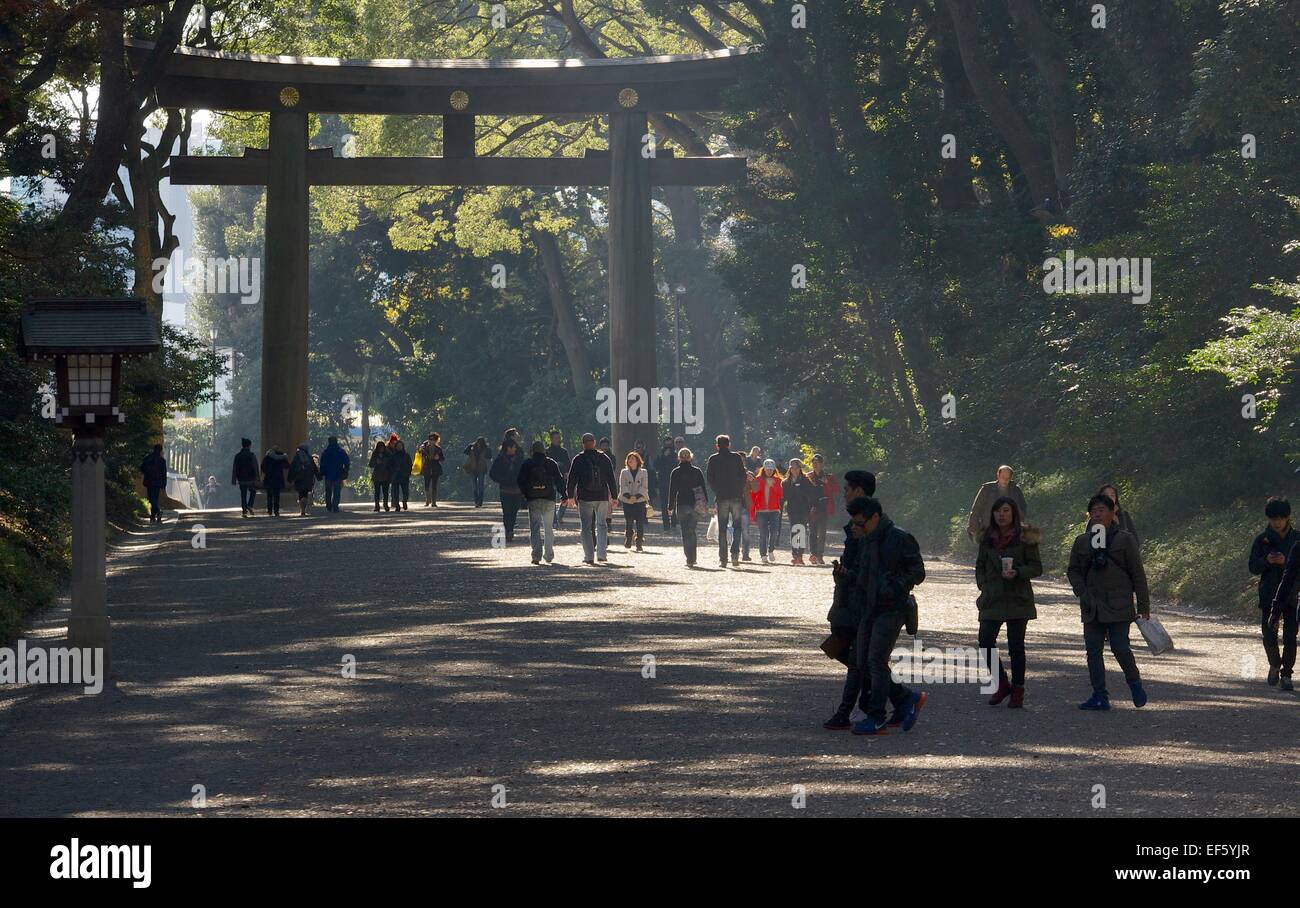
[(913, 619)]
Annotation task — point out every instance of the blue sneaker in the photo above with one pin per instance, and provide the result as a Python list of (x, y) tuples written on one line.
[(1139, 695), (1096, 701), (912, 709), (870, 726)]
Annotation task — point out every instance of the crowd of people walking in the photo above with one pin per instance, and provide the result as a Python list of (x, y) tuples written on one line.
[(873, 580)]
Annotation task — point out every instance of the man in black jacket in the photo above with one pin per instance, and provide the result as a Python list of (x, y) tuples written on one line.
[(664, 466), (563, 460), (889, 565), (593, 487), (726, 476), (244, 473), (153, 469), (505, 473), (540, 480), (1274, 556)]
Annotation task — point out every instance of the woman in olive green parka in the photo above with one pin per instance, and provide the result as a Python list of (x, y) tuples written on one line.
[(1006, 593)]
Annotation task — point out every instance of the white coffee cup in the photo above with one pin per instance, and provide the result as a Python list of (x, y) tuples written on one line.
[(1007, 564)]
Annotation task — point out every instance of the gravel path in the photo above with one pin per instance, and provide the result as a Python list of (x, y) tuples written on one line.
[(475, 669)]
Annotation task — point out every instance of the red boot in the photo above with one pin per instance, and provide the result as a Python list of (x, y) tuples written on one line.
[(797, 559), (1017, 697), (1003, 691)]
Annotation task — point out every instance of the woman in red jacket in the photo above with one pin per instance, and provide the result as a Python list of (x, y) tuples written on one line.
[(765, 509)]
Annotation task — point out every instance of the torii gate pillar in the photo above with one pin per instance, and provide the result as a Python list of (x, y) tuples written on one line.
[(284, 304), (631, 279)]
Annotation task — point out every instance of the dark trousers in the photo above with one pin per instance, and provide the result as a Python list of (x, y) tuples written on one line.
[(333, 491), (247, 495), (382, 491), (153, 492), (559, 513), (854, 688), (1095, 635), (401, 492), (480, 487), (273, 502), (690, 527), (431, 487), (878, 637), (634, 519), (817, 544), (510, 505), (988, 643), (669, 520), (1285, 661)]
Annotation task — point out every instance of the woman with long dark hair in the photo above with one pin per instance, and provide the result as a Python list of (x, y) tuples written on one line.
[(1123, 519), (1008, 560)]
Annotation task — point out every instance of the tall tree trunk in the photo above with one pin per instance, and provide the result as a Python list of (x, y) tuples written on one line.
[(566, 317), (1006, 119), (1049, 58)]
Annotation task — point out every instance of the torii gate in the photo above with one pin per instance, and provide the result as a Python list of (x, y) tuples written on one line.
[(290, 88)]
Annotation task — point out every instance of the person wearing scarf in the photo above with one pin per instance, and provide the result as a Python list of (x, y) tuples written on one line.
[(1008, 560)]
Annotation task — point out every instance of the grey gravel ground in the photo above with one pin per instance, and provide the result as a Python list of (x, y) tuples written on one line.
[(477, 669)]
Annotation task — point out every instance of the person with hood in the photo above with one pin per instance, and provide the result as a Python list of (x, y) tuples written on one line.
[(478, 459), (334, 466), (1007, 562), (431, 458), (244, 472), (665, 463), (540, 480), (1106, 573), (725, 473), (889, 566), (799, 494), (823, 508), (591, 486), (274, 466), (1275, 558), (153, 469), (558, 453), (399, 466), (303, 473), (381, 473), (634, 495), (688, 499), (505, 473), (765, 510), (1002, 487)]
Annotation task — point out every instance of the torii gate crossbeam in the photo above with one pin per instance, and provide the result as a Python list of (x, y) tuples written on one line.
[(626, 90)]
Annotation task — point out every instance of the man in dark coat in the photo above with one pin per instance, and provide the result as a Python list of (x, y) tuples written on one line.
[(431, 458), (244, 472), (334, 466), (592, 487), (154, 471), (275, 466), (540, 480), (505, 473), (725, 473), (563, 460), (889, 566), (1106, 573), (1275, 558), (664, 465)]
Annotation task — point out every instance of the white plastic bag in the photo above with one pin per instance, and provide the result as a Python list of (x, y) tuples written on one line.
[(712, 533), (1154, 633)]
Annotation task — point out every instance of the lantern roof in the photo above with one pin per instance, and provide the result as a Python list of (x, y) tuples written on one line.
[(61, 327)]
